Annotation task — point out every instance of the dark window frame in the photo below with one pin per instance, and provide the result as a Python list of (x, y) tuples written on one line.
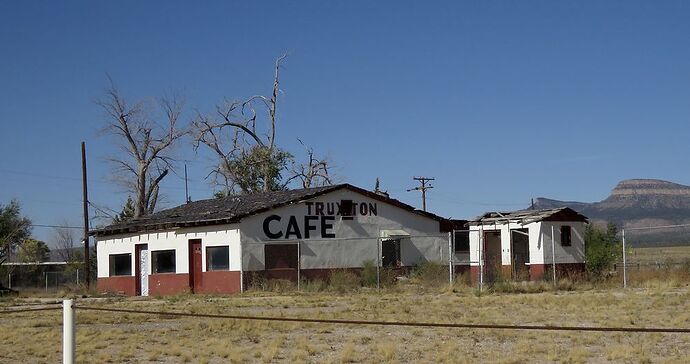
[(155, 261), (112, 272), (464, 241), (209, 258), (566, 235)]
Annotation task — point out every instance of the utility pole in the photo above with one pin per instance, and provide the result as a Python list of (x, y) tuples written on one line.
[(423, 181), (87, 260)]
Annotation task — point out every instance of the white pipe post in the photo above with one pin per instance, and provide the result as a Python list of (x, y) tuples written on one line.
[(69, 344), (481, 258), (9, 280), (625, 276), (553, 254), (46, 274), (378, 263), (77, 276), (450, 257)]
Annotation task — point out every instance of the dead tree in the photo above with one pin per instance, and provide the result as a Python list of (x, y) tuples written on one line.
[(65, 239), (313, 173), (146, 140), (249, 159), (243, 150)]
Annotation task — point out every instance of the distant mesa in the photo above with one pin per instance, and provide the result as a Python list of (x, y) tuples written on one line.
[(639, 203)]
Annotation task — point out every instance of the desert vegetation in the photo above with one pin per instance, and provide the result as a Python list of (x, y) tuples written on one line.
[(154, 338)]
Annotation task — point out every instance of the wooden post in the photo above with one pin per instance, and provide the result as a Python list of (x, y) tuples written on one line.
[(87, 258)]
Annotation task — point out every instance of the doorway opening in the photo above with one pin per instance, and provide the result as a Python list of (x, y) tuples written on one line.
[(520, 254)]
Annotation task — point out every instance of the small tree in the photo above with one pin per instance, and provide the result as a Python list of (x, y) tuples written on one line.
[(127, 213), (34, 251), (602, 248), (14, 229)]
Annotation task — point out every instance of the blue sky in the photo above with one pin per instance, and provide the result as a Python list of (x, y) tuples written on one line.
[(500, 101)]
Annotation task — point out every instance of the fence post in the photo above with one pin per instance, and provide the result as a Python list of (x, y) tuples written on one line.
[(625, 276), (77, 276), (46, 274), (378, 263), (9, 280), (450, 257), (553, 254), (69, 344), (481, 258)]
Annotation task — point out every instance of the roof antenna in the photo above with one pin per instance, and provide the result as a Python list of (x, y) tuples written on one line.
[(186, 189)]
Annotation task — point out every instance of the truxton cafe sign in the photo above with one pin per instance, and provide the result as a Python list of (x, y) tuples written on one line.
[(319, 217)]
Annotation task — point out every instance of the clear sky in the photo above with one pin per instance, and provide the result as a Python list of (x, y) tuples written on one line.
[(500, 101)]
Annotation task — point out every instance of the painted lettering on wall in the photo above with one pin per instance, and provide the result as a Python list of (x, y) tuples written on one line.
[(335, 208), (319, 218), (298, 230)]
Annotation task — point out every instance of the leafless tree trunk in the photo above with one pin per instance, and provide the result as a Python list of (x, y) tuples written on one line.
[(146, 140), (65, 239), (233, 131), (232, 134)]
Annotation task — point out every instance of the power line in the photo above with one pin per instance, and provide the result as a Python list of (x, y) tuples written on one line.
[(398, 323), (57, 226), (657, 227)]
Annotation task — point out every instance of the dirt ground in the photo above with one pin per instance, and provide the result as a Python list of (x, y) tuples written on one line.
[(117, 337)]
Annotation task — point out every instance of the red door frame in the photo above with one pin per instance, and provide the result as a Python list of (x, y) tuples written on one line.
[(195, 263)]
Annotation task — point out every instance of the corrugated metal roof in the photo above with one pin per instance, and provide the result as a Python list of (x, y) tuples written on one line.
[(529, 216)]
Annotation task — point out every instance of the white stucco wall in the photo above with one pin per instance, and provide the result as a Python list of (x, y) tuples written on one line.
[(539, 242), (172, 239), (355, 240)]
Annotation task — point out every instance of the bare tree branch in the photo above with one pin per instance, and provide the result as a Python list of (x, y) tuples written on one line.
[(147, 143)]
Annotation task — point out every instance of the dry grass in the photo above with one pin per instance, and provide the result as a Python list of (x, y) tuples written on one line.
[(109, 337)]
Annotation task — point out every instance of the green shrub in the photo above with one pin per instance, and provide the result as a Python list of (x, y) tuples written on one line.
[(602, 249)]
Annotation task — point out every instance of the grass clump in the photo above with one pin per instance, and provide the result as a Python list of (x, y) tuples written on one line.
[(343, 281), (430, 274)]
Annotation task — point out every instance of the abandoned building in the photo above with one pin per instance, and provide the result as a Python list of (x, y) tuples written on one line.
[(215, 245), (523, 245)]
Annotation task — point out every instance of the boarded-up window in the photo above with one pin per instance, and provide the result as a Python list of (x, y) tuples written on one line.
[(281, 256), (120, 265), (566, 235), (217, 258), (462, 241), (163, 261)]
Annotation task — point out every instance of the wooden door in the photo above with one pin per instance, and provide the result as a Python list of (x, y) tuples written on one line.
[(195, 264), (492, 255)]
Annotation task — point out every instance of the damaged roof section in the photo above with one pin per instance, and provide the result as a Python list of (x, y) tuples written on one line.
[(232, 209), (528, 216)]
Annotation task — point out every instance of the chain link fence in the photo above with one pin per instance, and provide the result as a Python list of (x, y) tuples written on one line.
[(48, 277), (364, 261)]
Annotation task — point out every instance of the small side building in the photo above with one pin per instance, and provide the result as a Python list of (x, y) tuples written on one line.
[(523, 245), (219, 245)]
